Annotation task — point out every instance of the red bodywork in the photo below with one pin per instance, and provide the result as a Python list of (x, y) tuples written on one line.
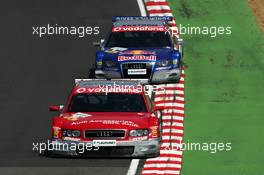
[(105, 120)]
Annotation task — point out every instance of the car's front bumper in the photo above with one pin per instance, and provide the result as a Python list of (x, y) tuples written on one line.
[(141, 148), (157, 76)]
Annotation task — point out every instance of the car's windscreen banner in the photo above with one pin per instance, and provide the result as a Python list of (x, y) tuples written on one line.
[(139, 28)]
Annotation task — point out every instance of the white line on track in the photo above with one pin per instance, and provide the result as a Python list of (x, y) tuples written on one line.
[(133, 167), (142, 7)]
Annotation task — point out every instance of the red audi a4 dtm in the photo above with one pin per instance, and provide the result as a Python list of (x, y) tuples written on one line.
[(106, 118)]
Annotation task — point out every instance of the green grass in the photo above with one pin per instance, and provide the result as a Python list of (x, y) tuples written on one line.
[(224, 87)]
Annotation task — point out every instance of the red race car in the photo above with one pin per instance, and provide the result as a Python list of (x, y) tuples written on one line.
[(106, 118)]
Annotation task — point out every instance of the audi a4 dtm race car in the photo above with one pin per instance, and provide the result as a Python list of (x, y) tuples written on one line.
[(106, 118), (140, 48)]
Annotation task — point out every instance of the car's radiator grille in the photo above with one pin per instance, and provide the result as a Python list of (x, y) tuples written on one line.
[(104, 133), (135, 66)]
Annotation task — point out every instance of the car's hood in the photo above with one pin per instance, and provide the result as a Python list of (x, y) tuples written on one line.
[(106, 120), (159, 53)]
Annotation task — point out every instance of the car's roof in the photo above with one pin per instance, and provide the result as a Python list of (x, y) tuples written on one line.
[(111, 83)]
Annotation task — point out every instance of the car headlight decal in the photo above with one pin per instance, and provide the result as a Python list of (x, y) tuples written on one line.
[(164, 63), (175, 61), (71, 133), (99, 64), (109, 63), (139, 132)]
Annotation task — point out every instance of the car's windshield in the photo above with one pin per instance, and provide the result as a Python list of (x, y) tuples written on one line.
[(138, 39), (111, 102)]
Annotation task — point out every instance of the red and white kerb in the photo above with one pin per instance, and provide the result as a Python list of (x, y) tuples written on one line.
[(170, 160)]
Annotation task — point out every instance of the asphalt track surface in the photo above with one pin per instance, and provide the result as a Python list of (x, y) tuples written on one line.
[(38, 72)]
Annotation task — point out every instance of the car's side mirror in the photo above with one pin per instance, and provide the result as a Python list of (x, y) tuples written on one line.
[(158, 113), (158, 110), (56, 107), (180, 46), (180, 41), (100, 43), (96, 43)]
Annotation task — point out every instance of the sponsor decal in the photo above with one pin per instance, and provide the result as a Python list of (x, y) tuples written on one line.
[(104, 142), (139, 28), (139, 138), (137, 52), (115, 122), (129, 18), (56, 131), (79, 123), (137, 71), (154, 131), (137, 57), (81, 90), (77, 116), (89, 90), (81, 115), (71, 138), (115, 50), (107, 89)]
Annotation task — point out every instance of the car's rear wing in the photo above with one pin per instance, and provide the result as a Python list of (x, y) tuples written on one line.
[(129, 18)]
